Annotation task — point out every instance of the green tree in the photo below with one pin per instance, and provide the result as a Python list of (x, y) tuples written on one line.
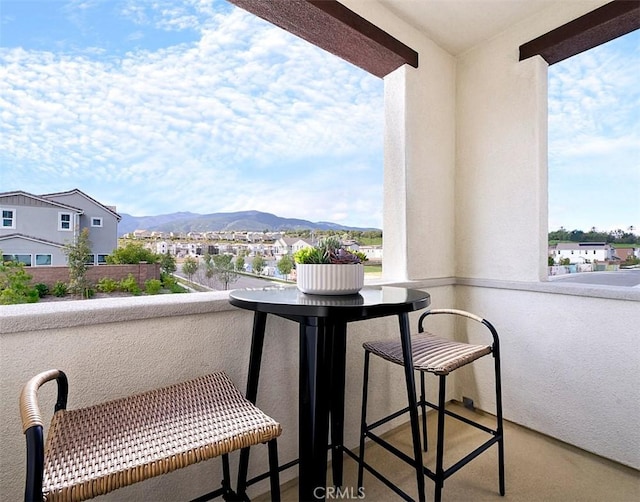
[(240, 263), (224, 270), (132, 253), (258, 263), (285, 265), (168, 263), (15, 284), (189, 267), (209, 267), (79, 256)]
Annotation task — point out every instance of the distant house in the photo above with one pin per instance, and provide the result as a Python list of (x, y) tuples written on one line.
[(623, 253), (582, 252), (35, 228), (289, 245)]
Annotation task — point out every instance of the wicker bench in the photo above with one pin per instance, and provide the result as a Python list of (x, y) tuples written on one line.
[(95, 450)]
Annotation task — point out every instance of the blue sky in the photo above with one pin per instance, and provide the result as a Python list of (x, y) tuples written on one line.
[(166, 106), (159, 107), (594, 138)]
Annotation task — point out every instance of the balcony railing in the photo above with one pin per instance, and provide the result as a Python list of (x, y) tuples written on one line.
[(570, 365)]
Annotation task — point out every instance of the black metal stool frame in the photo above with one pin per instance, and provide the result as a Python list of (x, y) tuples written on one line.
[(440, 474)]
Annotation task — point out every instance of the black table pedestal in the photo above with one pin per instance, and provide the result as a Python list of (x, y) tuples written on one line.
[(323, 329)]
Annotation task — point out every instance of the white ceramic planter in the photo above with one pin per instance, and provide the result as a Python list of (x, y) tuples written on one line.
[(323, 279)]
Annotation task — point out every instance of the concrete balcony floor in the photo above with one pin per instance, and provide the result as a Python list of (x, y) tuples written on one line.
[(538, 468)]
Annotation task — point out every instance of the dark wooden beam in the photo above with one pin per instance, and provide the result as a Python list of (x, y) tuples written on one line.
[(331, 26), (610, 21)]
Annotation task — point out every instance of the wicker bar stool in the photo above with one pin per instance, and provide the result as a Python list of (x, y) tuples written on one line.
[(95, 450), (440, 356)]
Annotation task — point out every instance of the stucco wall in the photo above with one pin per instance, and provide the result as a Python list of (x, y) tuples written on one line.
[(419, 155), (501, 179), (114, 347), (571, 366)]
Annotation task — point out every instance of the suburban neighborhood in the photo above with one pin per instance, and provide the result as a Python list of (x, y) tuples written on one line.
[(36, 228)]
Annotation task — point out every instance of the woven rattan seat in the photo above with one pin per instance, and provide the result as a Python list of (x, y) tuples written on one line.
[(430, 353), (92, 451), (439, 356)]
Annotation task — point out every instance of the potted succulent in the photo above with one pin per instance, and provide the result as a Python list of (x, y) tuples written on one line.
[(329, 269)]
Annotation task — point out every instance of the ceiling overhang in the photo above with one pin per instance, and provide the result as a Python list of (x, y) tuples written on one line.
[(333, 27), (599, 26)]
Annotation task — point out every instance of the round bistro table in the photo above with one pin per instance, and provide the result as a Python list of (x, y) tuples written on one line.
[(323, 328)]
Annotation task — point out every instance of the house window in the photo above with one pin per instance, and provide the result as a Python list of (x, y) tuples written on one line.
[(102, 259), (43, 260), (25, 259), (96, 222), (64, 221), (8, 218)]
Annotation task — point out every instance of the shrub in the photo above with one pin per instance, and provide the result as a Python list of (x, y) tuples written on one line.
[(132, 253), (130, 285), (42, 289), (10, 296), (107, 285), (14, 284), (171, 283), (152, 286), (60, 289)]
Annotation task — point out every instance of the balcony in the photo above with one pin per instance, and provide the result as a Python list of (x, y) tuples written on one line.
[(465, 196), (569, 373)]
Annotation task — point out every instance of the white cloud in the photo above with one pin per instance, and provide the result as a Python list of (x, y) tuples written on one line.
[(223, 124), (594, 138)]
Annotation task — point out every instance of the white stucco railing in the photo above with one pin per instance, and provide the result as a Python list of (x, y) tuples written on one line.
[(110, 348), (570, 365)]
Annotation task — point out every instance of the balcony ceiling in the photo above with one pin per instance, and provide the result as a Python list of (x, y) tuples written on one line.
[(459, 25), (456, 25)]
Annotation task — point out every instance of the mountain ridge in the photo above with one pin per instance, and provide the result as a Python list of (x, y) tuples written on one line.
[(251, 221)]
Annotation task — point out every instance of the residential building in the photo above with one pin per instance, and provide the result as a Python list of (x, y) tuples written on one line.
[(35, 228), (582, 252), (624, 253), (289, 245)]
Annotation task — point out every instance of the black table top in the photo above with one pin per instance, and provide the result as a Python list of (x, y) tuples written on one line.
[(370, 302)]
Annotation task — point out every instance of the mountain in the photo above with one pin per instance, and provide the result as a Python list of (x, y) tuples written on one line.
[(252, 221)]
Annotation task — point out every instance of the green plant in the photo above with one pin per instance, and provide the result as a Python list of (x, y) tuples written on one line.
[(14, 284), (60, 289), (224, 269), (171, 283), (189, 267), (130, 285), (152, 286), (107, 285), (132, 253), (257, 264), (42, 289), (168, 263), (78, 259), (285, 265), (328, 251)]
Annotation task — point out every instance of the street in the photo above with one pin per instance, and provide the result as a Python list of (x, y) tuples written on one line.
[(628, 278), (244, 281)]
